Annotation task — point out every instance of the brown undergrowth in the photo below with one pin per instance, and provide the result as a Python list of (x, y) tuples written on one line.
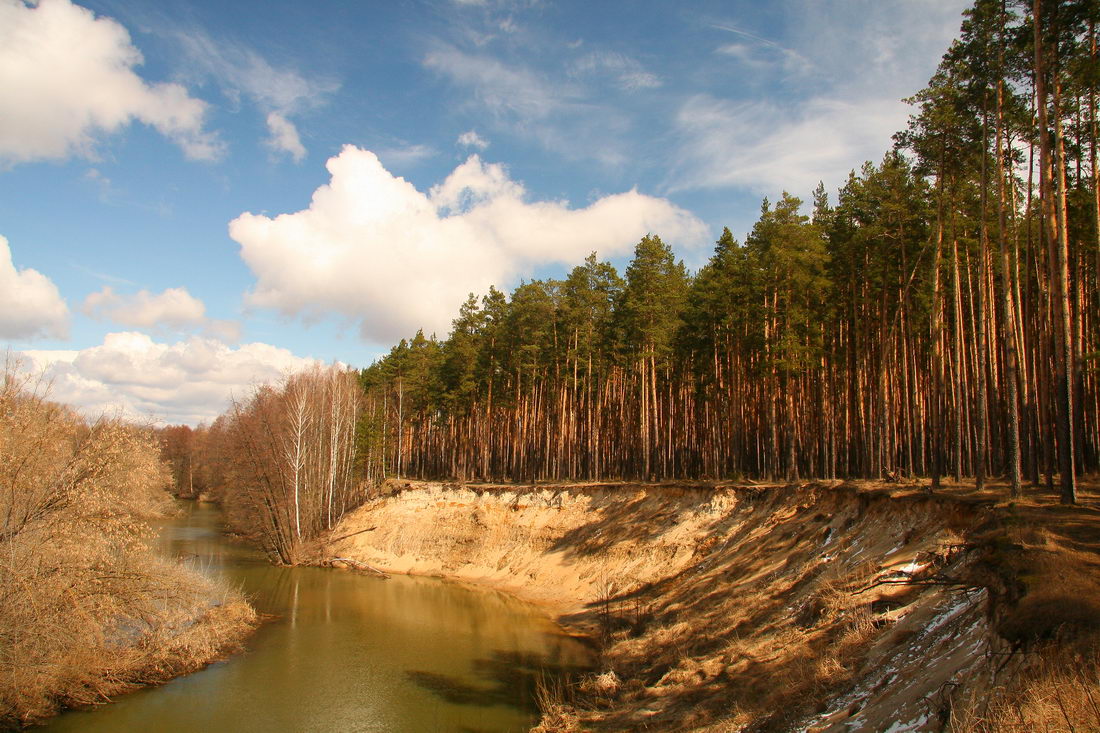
[(87, 608)]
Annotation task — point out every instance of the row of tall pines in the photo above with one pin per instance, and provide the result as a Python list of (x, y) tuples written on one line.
[(940, 319)]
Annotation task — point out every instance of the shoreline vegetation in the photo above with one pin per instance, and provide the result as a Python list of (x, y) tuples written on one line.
[(88, 608)]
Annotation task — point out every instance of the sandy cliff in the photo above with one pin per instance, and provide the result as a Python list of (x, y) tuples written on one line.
[(822, 607)]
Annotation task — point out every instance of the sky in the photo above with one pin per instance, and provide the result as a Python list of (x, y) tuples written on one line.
[(198, 197)]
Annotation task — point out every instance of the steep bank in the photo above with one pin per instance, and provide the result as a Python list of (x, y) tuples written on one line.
[(819, 606)]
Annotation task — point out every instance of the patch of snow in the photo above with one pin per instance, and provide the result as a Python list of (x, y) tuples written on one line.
[(912, 725), (947, 615)]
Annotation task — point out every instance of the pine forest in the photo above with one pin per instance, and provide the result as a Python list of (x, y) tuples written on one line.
[(936, 318)]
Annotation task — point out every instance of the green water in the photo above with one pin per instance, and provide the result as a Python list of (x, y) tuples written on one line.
[(348, 652)]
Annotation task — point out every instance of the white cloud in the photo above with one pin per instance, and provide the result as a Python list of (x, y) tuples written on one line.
[(284, 137), (767, 148), (174, 309), (470, 139), (223, 330), (375, 249), (30, 305), (628, 73), (828, 120), (183, 382), (67, 76), (405, 155), (279, 92)]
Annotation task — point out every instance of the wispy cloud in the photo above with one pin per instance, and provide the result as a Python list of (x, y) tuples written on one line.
[(827, 120), (406, 155), (280, 93), (506, 90), (284, 137), (765, 147), (470, 139), (627, 72), (758, 52), (559, 113)]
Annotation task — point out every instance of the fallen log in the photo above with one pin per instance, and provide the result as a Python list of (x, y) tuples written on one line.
[(358, 565)]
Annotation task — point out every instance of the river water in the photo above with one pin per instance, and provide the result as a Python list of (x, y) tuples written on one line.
[(348, 652)]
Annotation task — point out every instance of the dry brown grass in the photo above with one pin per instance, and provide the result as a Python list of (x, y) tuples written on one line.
[(1053, 688), (555, 701), (87, 609)]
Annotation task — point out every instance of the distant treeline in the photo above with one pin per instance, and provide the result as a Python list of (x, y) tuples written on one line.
[(939, 319)]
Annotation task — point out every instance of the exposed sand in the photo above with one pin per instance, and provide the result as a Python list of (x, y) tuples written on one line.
[(821, 606)]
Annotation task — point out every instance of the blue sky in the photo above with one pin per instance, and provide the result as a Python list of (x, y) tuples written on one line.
[(200, 196)]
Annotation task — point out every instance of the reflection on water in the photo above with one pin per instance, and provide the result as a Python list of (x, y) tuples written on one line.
[(349, 652)]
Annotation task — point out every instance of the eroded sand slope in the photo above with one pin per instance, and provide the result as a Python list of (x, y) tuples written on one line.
[(718, 608)]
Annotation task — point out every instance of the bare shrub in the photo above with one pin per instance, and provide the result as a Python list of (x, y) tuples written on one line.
[(86, 607)]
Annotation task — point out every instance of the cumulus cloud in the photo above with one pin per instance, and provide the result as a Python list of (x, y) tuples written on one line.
[(375, 249), (67, 76), (30, 305), (182, 382), (174, 308), (470, 139)]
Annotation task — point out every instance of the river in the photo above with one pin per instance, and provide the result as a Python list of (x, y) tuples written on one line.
[(348, 652)]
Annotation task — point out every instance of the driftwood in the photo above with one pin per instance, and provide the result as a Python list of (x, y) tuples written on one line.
[(358, 565)]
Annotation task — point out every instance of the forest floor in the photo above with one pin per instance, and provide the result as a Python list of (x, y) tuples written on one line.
[(813, 606)]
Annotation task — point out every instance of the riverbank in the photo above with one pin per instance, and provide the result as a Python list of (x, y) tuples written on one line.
[(171, 621), (766, 607), (88, 607)]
